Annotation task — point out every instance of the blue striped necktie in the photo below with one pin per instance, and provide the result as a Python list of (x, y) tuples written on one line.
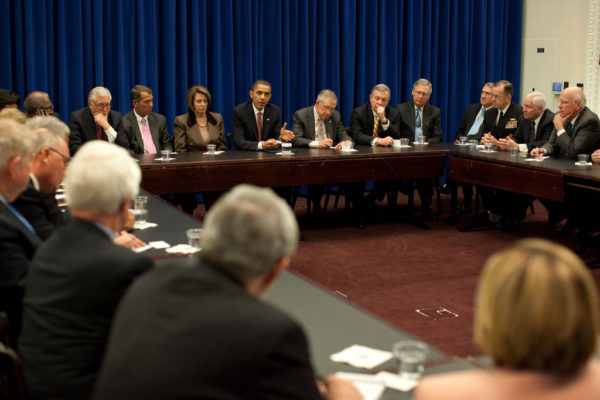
[(21, 218), (475, 127)]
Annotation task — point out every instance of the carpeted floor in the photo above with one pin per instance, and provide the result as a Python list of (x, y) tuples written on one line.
[(392, 268)]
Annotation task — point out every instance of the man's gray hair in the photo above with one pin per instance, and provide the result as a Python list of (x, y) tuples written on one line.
[(423, 82), (538, 99), (381, 87), (326, 94), (34, 101), (49, 130), (99, 91), (579, 97), (248, 231), (100, 177), (16, 140)]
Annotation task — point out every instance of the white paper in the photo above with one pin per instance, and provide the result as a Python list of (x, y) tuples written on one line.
[(361, 356), (393, 381), (182, 249), (369, 386), (146, 225), (215, 153), (159, 244), (537, 159), (140, 249)]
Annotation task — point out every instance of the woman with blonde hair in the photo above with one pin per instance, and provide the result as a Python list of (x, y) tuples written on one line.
[(536, 316)]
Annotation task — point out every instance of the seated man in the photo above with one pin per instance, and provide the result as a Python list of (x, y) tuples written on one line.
[(78, 276), (9, 99), (146, 131), (501, 120), (18, 240), (37, 203), (421, 120), (96, 122), (256, 124), (205, 319), (39, 104)]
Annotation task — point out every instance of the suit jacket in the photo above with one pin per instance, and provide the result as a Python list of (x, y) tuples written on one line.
[(17, 246), (74, 285), (585, 137), (196, 319), (525, 134), (507, 125), (158, 130), (362, 122), (83, 129), (244, 129), (40, 210), (431, 123), (467, 120), (190, 139), (304, 127)]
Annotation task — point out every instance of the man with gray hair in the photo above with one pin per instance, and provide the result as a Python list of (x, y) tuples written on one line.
[(208, 321), (38, 104), (97, 122), (18, 240), (146, 130), (375, 122), (78, 276), (421, 120), (534, 126), (37, 203)]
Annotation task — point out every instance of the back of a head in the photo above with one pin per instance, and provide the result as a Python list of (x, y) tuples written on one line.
[(100, 177), (248, 231), (16, 140), (13, 114), (9, 98), (537, 309), (55, 127)]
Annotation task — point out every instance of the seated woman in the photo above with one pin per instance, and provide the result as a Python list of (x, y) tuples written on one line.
[(192, 132), (536, 316)]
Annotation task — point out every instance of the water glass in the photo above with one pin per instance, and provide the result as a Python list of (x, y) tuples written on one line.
[(194, 237), (404, 142), (397, 143), (141, 217), (210, 148), (463, 140), (514, 151), (582, 158), (488, 146), (165, 154), (140, 202), (410, 355), (347, 145), (286, 148), (472, 144)]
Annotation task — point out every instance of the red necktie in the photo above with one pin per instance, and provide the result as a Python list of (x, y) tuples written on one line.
[(98, 132), (259, 125)]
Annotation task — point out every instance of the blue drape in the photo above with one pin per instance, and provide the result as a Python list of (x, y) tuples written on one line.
[(66, 47)]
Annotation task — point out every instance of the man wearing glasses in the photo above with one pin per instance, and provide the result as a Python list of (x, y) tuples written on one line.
[(96, 122)]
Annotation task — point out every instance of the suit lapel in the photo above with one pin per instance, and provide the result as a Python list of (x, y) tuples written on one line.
[(252, 119), (311, 125), (152, 125), (92, 126), (138, 134)]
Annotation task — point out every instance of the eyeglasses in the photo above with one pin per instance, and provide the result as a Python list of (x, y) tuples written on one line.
[(65, 159), (47, 109), (102, 105)]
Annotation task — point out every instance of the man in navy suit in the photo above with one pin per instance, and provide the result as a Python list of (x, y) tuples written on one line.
[(501, 120), (146, 131), (205, 319), (256, 124), (18, 240), (421, 120), (96, 122)]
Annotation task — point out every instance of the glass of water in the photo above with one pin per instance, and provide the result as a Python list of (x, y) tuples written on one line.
[(410, 355), (488, 146)]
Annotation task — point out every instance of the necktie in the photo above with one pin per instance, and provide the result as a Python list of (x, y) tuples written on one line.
[(20, 217), (376, 127), (533, 132), (477, 123), (98, 132), (148, 142), (418, 126), (499, 117), (569, 128), (259, 125), (321, 132)]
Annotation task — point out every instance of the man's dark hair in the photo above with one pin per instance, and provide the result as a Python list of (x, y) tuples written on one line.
[(136, 92), (260, 82), (8, 97)]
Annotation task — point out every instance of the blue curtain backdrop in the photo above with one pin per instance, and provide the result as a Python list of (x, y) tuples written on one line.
[(301, 46)]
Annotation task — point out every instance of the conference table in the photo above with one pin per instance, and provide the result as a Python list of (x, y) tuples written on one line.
[(201, 172), (331, 322)]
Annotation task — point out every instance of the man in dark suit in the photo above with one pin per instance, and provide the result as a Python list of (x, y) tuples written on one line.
[(576, 131), (421, 120), (362, 120), (96, 121), (204, 317), (78, 276), (534, 126), (18, 240), (256, 124), (146, 131), (37, 202), (501, 120), (469, 127)]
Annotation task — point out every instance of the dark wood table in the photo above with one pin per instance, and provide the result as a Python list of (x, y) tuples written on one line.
[(198, 172)]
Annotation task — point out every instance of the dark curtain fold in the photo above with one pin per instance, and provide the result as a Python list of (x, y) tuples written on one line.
[(301, 46)]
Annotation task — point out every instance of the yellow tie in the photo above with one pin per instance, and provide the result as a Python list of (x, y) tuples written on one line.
[(376, 127)]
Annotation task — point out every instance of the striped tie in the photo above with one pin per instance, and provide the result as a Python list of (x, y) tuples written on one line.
[(376, 127)]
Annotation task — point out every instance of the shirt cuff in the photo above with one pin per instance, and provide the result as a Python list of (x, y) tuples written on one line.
[(386, 125), (522, 148), (111, 134), (558, 133), (259, 146), (373, 141), (314, 144)]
